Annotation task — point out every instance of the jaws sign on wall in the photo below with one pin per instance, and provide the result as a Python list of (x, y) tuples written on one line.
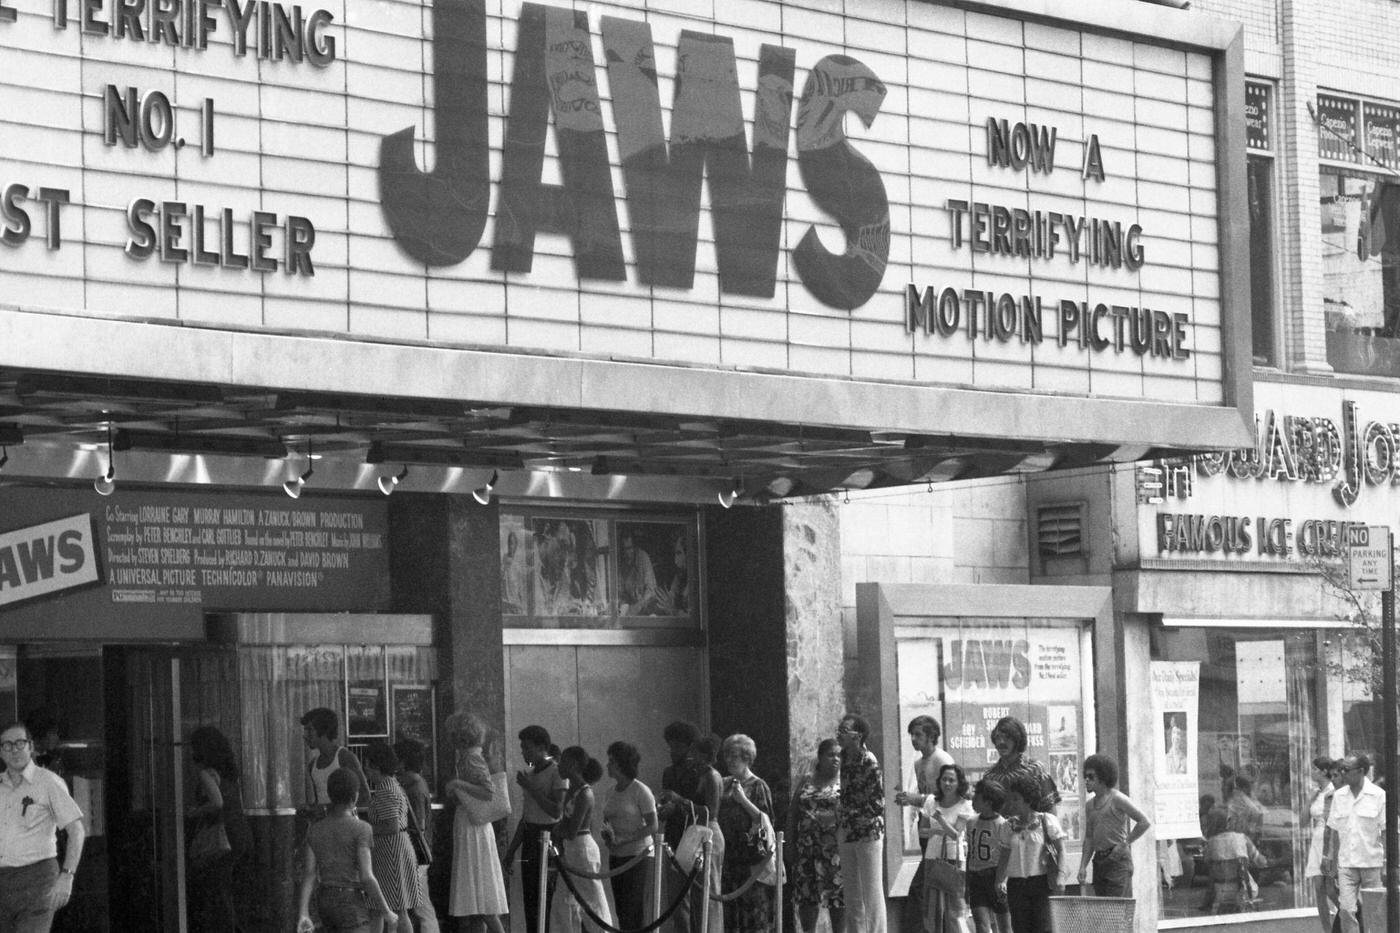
[(47, 558)]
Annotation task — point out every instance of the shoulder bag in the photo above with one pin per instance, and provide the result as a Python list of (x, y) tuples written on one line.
[(1049, 855), (480, 811), (944, 875), (421, 852), (692, 841)]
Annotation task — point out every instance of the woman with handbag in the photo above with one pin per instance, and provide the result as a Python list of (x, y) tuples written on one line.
[(1032, 872), (394, 863), (420, 808), (222, 838), (746, 820), (949, 812), (705, 798), (811, 825), (579, 849), (478, 887)]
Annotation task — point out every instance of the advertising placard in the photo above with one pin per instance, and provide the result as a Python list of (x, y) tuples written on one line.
[(973, 676), (175, 554), (1176, 687), (48, 558)]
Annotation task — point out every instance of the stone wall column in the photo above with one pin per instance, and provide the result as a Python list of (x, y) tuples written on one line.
[(815, 664)]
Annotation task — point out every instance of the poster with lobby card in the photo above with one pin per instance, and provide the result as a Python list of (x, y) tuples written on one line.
[(975, 675), (1176, 687)]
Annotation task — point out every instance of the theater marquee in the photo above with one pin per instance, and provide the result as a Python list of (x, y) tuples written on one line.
[(904, 194)]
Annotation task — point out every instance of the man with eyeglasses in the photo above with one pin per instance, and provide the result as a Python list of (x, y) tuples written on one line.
[(1355, 843), (34, 805)]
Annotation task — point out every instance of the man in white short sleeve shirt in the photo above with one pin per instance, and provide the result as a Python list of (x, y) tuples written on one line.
[(34, 804), (1354, 838)]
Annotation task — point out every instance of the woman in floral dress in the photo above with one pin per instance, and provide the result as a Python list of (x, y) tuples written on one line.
[(816, 875), (745, 802), (861, 828)]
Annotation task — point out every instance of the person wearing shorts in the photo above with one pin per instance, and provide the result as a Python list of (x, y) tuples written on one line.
[(988, 850)]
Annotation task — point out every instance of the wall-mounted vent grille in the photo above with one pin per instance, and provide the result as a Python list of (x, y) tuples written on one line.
[(1060, 530)]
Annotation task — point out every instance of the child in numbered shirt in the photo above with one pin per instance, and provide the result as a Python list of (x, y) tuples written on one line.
[(1028, 887), (988, 858)]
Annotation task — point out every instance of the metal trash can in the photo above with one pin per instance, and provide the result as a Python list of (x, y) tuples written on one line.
[(1373, 909), (1092, 914)]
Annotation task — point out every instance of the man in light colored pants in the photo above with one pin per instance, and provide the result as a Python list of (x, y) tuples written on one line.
[(1354, 837)]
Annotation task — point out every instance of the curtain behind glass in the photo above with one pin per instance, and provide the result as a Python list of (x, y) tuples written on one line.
[(209, 695), (1303, 745), (280, 684)]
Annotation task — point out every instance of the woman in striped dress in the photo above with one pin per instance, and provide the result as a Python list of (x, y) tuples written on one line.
[(392, 856)]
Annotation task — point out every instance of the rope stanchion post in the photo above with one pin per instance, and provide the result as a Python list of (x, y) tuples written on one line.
[(705, 885), (778, 884), (658, 872), (542, 918), (568, 873)]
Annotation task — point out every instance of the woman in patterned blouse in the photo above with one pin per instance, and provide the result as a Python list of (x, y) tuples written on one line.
[(861, 829), (1009, 739)]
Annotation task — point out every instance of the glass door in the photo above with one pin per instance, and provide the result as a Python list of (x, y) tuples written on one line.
[(57, 689), (147, 789)]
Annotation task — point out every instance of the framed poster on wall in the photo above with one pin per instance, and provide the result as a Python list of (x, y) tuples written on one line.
[(364, 703), (968, 656), (413, 712)]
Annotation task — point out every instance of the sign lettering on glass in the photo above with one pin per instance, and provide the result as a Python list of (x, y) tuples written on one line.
[(1337, 139), (1380, 133), (1258, 115)]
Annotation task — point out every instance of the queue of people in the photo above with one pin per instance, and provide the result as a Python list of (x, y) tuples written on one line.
[(992, 854)]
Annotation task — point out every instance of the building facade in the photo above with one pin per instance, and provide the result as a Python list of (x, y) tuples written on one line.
[(607, 301)]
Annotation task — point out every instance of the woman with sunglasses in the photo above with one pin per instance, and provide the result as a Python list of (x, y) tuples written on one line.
[(861, 829)]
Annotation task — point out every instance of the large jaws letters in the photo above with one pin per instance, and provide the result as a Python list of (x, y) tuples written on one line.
[(554, 71), (707, 132), (843, 183), (438, 216)]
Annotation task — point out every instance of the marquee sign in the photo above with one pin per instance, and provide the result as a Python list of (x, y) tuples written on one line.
[(909, 192)]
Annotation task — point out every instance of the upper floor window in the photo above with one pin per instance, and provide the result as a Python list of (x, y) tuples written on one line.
[(1360, 195), (1259, 135)]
